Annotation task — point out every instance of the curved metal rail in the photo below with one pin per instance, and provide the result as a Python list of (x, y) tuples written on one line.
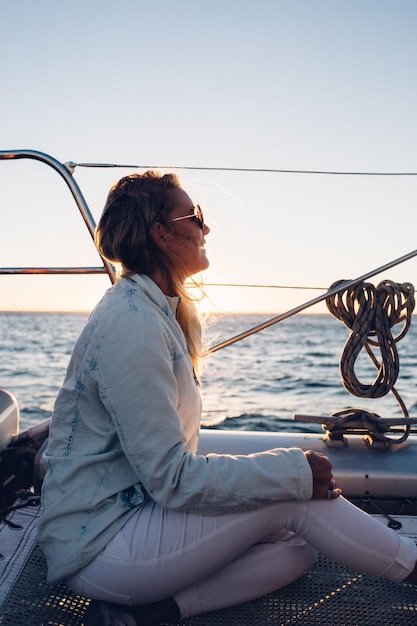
[(66, 174)]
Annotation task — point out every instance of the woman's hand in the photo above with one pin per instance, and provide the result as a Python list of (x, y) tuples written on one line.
[(324, 485)]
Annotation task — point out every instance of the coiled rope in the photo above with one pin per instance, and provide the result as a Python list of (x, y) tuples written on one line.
[(370, 313)]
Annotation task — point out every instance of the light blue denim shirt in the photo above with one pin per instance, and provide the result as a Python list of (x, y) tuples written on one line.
[(125, 429)]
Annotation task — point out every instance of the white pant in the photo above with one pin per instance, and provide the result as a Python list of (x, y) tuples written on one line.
[(212, 562)]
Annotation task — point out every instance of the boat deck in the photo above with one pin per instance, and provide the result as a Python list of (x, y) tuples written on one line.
[(327, 594)]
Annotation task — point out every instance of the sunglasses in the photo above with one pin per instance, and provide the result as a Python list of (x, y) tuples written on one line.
[(197, 216)]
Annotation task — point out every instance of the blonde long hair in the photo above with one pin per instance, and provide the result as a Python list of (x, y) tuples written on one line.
[(123, 235)]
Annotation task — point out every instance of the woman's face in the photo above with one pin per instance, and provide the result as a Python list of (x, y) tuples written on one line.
[(185, 237)]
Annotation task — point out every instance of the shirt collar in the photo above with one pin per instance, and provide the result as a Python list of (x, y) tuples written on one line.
[(153, 292)]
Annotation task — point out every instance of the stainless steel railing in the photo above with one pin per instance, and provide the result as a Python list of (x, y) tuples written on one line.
[(66, 173)]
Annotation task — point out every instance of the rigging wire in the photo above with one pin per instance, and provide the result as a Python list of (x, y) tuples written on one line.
[(71, 166), (258, 286), (332, 291)]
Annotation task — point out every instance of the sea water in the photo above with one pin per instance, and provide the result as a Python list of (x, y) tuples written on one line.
[(258, 383)]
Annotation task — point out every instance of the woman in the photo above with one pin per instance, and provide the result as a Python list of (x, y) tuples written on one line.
[(131, 514)]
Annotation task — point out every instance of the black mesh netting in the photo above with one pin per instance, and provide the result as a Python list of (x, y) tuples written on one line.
[(327, 595)]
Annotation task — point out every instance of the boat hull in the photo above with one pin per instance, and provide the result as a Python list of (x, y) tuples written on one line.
[(9, 416), (361, 471)]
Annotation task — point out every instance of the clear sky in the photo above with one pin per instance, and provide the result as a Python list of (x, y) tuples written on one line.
[(293, 85)]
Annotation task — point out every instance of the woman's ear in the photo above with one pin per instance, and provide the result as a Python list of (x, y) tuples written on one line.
[(159, 235)]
